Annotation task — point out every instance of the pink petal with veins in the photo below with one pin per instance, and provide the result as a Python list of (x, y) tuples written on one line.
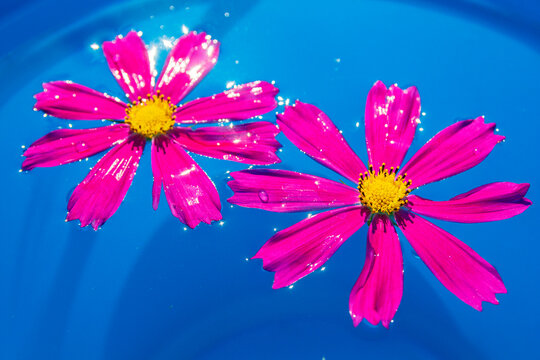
[(491, 202), (288, 191), (68, 100), (252, 143), (129, 63), (314, 133), (191, 195), (391, 118), (239, 103), (100, 194), (377, 292), (455, 149), (304, 247), (193, 56), (461, 270), (67, 145)]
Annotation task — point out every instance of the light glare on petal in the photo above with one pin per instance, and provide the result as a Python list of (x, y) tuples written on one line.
[(152, 56)]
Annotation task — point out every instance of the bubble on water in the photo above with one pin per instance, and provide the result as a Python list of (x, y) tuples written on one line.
[(263, 196)]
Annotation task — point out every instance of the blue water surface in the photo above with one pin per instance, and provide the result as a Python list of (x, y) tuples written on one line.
[(145, 287)]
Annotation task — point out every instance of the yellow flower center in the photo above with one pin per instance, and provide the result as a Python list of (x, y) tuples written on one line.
[(151, 116), (383, 192)]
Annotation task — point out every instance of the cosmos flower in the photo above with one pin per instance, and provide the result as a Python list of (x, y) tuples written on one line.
[(382, 200), (152, 116)]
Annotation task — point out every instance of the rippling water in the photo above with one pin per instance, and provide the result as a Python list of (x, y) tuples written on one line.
[(145, 287)]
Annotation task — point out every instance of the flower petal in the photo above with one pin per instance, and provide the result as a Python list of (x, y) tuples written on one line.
[(191, 195), (100, 194), (313, 132), (391, 118), (129, 63), (491, 202), (302, 248), (239, 103), (457, 266), (66, 145), (455, 149), (252, 143), (288, 191), (193, 56), (378, 290), (68, 100)]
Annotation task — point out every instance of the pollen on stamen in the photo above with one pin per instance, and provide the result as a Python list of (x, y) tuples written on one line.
[(151, 116), (383, 192)]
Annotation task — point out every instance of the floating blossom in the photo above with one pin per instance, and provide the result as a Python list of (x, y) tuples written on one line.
[(153, 115), (382, 200)]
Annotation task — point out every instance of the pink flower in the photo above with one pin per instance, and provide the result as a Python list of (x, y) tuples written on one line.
[(152, 115), (382, 200)]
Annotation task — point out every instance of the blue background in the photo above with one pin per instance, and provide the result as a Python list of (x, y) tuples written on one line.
[(145, 287)]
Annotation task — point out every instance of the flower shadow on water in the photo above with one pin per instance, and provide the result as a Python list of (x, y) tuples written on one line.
[(175, 304), (52, 325), (51, 306)]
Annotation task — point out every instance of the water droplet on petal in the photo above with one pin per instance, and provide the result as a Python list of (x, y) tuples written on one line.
[(81, 146), (263, 196)]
